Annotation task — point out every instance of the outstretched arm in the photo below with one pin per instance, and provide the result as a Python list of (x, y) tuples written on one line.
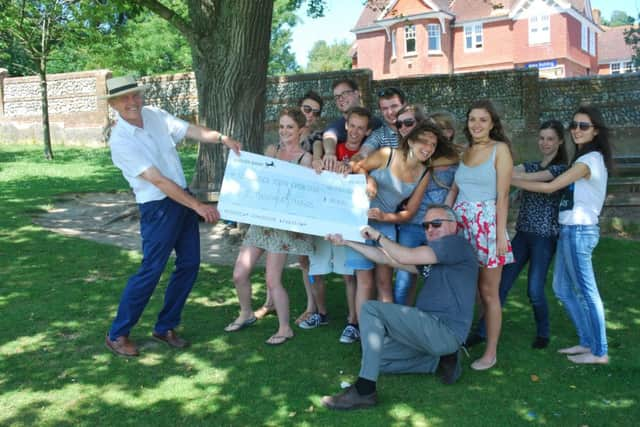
[(208, 136), (371, 252), (576, 172), (175, 192)]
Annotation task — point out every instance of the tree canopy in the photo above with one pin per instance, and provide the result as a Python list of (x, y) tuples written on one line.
[(329, 57)]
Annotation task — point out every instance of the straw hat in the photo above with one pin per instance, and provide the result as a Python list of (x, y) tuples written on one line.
[(117, 86)]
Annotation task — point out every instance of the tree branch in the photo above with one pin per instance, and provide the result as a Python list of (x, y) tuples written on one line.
[(171, 16)]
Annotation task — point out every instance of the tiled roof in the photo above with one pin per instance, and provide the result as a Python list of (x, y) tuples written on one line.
[(464, 10), (611, 45)]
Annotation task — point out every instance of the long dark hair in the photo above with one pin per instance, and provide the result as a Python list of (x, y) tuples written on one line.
[(443, 149), (600, 141), (561, 157), (497, 133)]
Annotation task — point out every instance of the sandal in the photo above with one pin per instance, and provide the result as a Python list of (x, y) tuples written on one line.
[(304, 316), (264, 311), (235, 326), (278, 339)]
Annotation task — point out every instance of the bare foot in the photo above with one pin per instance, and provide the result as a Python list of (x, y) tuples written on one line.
[(483, 364), (264, 311), (576, 349), (588, 358), (303, 317)]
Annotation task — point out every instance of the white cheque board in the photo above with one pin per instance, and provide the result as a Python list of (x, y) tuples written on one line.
[(273, 193)]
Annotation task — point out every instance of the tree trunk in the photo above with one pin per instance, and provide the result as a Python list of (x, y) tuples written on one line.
[(42, 72), (230, 59)]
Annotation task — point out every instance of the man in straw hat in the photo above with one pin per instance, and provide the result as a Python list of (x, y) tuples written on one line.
[(143, 146)]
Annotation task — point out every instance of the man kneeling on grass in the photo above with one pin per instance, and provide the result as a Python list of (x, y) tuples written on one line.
[(422, 339)]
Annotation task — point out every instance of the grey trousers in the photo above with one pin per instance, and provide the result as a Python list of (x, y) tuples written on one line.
[(400, 339)]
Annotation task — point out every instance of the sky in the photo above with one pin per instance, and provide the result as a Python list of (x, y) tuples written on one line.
[(341, 16)]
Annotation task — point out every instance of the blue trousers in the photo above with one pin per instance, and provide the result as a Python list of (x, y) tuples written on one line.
[(165, 225), (538, 252), (574, 283), (412, 236)]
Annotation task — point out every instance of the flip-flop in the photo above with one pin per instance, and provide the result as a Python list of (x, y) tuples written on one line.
[(237, 326), (277, 339)]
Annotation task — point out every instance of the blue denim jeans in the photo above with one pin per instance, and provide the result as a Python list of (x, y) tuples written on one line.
[(538, 252), (574, 283), (412, 236)]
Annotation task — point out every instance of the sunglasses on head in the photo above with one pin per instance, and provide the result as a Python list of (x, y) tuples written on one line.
[(436, 223), (390, 92), (309, 109), (581, 125), (406, 122)]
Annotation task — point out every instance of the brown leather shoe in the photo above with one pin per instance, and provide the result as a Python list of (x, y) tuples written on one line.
[(350, 399), (122, 346), (172, 339)]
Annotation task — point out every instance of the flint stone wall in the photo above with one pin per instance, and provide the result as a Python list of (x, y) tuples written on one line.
[(520, 96)]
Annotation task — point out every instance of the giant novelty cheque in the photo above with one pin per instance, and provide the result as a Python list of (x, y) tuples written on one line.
[(273, 193)]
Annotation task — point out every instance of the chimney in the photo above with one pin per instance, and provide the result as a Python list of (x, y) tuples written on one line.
[(597, 16)]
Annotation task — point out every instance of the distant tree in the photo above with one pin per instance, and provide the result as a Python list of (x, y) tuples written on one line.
[(632, 38), (34, 29), (281, 59), (324, 57), (618, 19), (141, 44)]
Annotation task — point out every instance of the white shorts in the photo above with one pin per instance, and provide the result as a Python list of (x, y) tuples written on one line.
[(328, 258)]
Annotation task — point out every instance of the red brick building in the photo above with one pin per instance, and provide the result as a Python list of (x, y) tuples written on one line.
[(403, 38), (614, 55)]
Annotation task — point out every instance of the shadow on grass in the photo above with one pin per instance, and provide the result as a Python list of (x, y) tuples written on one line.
[(58, 296)]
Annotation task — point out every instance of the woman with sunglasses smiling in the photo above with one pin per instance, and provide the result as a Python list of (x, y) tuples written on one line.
[(396, 173), (482, 189), (443, 166), (585, 185)]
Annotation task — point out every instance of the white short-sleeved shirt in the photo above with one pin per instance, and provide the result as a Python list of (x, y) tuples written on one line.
[(588, 194), (134, 150)]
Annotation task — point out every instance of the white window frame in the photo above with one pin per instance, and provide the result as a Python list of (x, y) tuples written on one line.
[(434, 34), (393, 44), (592, 43), (410, 34), (621, 67), (473, 35), (539, 29), (628, 67), (615, 68), (584, 44)]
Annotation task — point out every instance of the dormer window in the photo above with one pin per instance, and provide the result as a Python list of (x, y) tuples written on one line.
[(539, 29)]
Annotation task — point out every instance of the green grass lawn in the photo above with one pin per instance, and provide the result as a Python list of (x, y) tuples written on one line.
[(59, 294)]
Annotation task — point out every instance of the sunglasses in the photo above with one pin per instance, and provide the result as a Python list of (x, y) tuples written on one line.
[(309, 109), (436, 223), (346, 93), (406, 122), (390, 92), (581, 125)]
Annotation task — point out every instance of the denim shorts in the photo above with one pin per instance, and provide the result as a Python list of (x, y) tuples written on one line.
[(356, 260)]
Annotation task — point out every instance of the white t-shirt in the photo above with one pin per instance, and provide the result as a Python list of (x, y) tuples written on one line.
[(588, 195), (134, 150)]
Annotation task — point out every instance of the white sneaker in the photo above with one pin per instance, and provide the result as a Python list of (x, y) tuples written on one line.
[(350, 334)]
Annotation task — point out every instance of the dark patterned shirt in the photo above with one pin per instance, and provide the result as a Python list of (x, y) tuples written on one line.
[(539, 211)]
